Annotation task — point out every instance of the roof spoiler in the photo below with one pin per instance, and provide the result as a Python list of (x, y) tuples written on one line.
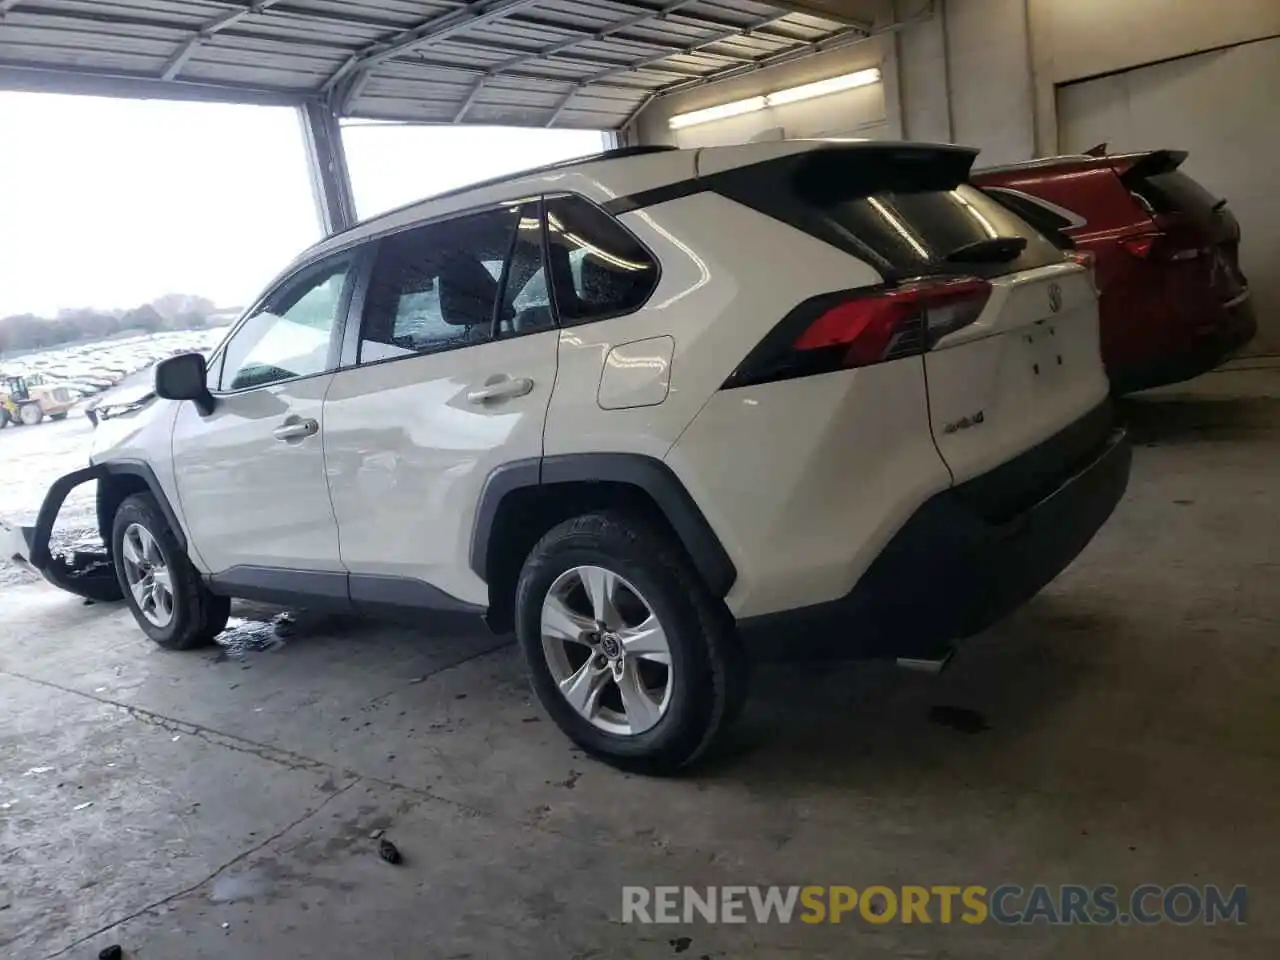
[(833, 174), (1141, 166)]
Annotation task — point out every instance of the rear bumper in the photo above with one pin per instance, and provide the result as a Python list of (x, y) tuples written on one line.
[(949, 573), (1213, 345), (86, 574)]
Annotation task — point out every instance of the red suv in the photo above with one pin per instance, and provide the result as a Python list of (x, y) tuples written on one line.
[(1174, 303)]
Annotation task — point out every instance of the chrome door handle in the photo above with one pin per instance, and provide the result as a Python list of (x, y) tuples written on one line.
[(500, 389), (296, 430)]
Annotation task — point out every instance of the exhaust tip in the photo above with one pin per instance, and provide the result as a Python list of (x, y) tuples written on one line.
[(921, 665)]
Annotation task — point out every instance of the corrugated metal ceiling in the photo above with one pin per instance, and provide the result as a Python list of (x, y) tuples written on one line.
[(565, 63)]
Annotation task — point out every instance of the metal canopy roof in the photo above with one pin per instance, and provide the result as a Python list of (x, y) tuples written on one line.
[(565, 63)]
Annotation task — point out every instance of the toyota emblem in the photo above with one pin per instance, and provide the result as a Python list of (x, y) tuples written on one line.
[(1055, 298)]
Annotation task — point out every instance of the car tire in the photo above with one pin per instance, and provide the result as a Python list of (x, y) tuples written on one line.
[(31, 414), (150, 563), (693, 698), (4, 418)]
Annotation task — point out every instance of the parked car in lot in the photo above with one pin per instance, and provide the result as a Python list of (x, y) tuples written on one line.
[(642, 409), (1174, 302)]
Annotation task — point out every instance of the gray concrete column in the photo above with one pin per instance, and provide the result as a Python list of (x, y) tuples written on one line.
[(327, 163)]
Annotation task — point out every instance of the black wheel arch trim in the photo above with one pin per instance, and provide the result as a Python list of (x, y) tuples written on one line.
[(39, 556), (647, 473), (60, 488), (143, 471)]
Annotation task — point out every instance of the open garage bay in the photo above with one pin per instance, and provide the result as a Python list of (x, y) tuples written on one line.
[(1122, 728)]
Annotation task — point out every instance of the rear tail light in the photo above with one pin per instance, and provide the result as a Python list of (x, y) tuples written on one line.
[(1085, 258), (1158, 246), (1142, 246), (857, 328)]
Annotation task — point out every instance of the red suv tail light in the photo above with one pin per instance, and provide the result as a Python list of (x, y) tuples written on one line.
[(1141, 247), (856, 328)]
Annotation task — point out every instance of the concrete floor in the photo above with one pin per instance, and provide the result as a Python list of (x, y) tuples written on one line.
[(1133, 735)]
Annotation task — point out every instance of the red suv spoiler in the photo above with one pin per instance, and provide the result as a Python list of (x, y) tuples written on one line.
[(1139, 166), (1147, 163)]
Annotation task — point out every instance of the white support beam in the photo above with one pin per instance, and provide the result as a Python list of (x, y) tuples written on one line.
[(627, 125), (742, 62), (173, 66), (106, 83), (472, 96), (562, 103), (587, 36), (652, 63), (327, 165), (355, 71), (843, 38)]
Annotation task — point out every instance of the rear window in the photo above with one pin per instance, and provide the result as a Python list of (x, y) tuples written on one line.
[(1174, 192), (904, 218), (914, 232)]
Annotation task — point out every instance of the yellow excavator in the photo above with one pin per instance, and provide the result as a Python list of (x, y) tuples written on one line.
[(16, 403)]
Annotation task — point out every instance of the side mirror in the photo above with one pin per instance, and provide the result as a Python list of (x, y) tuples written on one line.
[(185, 377)]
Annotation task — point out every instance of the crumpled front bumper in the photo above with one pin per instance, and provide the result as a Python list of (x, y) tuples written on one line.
[(89, 574)]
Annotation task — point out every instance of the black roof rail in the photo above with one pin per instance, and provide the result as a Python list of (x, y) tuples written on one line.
[(640, 150), (618, 153)]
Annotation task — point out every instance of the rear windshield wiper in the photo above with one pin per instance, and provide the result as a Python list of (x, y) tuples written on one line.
[(992, 250)]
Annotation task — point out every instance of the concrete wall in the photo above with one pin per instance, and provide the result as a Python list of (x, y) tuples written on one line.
[(985, 71), (981, 72), (1074, 39)]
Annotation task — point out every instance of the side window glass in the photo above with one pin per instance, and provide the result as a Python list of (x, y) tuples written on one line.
[(600, 269), (437, 287), (290, 334)]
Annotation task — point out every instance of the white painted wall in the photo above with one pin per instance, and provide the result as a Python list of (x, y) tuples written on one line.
[(922, 80), (984, 72), (1215, 105), (1074, 39), (988, 73)]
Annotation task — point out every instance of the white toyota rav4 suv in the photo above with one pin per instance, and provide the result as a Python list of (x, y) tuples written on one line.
[(642, 409)]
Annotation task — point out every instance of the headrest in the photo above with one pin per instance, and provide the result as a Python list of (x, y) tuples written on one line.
[(467, 292)]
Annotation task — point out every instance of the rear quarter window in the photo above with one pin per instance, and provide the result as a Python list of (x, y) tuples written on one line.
[(1049, 222), (1174, 192)]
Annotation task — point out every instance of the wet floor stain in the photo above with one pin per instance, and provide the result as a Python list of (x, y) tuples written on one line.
[(252, 884)]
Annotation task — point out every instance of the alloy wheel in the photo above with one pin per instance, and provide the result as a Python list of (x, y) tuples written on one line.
[(607, 651), (148, 574)]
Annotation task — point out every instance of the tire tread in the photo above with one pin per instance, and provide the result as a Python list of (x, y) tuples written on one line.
[(722, 665), (199, 615)]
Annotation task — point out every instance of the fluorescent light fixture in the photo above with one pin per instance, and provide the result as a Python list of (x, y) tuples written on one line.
[(806, 91), (821, 88), (722, 112)]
